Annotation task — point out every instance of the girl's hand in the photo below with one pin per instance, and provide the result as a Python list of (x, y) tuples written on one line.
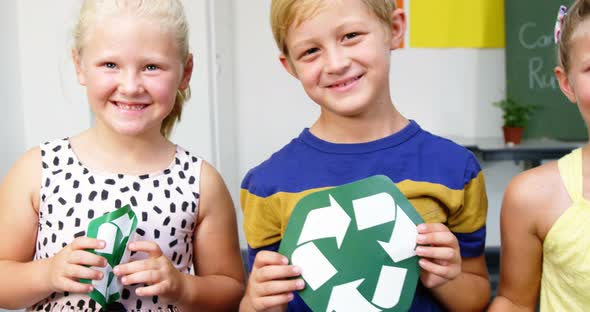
[(439, 250), (162, 278), (68, 266)]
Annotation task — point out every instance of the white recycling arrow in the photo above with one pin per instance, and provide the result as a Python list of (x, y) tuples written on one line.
[(347, 298), (124, 223), (316, 269), (373, 210), (389, 286), (325, 222), (403, 239)]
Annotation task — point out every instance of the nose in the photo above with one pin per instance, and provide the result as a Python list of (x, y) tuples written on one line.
[(337, 62), (130, 83)]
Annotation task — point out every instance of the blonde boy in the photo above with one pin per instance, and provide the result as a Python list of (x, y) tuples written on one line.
[(340, 52)]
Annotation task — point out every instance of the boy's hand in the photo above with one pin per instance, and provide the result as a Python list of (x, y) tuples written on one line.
[(68, 266), (162, 278), (439, 250), (269, 288)]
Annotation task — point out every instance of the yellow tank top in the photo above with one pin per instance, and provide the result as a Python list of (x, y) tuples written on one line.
[(565, 282)]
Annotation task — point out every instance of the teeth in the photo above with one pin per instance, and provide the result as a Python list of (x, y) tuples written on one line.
[(130, 107), (347, 83)]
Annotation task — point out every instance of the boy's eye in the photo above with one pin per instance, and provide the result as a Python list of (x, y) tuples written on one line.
[(151, 67), (309, 52), (351, 35), (110, 65)]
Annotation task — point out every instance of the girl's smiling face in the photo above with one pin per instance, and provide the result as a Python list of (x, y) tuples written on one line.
[(132, 69)]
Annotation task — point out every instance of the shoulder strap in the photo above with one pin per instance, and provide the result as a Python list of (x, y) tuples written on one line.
[(570, 170)]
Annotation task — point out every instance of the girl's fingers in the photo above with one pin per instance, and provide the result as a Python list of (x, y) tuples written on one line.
[(149, 247), (75, 287), (87, 243), (136, 266), (151, 290), (149, 277), (275, 272), (440, 253), (79, 271), (86, 258)]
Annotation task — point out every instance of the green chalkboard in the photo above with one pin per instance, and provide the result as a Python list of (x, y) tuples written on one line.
[(530, 61)]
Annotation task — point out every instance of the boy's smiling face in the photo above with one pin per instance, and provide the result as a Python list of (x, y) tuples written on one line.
[(341, 55)]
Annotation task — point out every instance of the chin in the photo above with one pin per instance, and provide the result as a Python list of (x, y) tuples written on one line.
[(129, 130), (348, 111)]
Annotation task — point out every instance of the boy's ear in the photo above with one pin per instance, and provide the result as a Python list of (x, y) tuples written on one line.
[(286, 62), (187, 73), (78, 66), (398, 28), (565, 84)]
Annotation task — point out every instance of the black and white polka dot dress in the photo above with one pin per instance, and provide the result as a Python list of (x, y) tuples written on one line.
[(72, 195)]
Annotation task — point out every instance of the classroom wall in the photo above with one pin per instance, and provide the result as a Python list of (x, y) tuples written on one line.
[(11, 129)]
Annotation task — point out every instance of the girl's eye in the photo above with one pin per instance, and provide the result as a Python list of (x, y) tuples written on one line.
[(351, 35), (151, 67), (110, 65)]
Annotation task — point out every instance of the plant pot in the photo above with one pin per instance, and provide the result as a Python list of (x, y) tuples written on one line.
[(512, 135)]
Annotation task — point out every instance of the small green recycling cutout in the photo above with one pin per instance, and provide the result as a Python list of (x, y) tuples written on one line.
[(356, 247), (115, 229)]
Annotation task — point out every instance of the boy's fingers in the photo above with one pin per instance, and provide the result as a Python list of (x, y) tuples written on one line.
[(87, 243), (432, 227), (271, 301), (275, 272), (440, 270), (273, 288), (264, 258), (440, 253), (86, 258), (437, 238)]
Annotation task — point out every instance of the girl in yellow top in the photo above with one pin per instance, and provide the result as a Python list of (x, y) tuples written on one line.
[(545, 213)]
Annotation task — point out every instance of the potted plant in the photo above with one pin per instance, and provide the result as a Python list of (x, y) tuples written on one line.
[(516, 116)]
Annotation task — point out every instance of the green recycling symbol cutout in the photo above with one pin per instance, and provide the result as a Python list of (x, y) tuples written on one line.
[(115, 229), (356, 246)]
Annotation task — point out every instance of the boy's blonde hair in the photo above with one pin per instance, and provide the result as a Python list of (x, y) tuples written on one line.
[(576, 14), (284, 13), (169, 12)]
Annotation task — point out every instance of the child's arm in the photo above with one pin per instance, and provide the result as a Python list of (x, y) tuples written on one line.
[(219, 281), (459, 283), (522, 249), (269, 286), (25, 282)]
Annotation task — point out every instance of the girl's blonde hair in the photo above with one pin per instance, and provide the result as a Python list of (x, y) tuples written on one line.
[(169, 12), (576, 14), (284, 13)]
